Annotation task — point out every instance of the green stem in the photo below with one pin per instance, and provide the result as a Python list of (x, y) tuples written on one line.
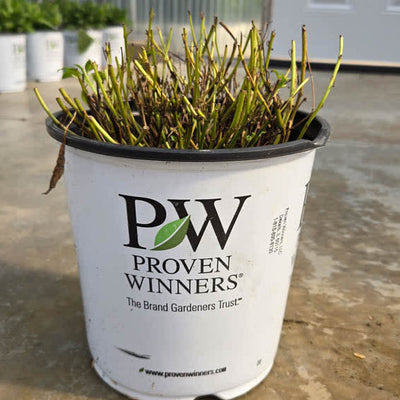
[(331, 83), (49, 113), (101, 130)]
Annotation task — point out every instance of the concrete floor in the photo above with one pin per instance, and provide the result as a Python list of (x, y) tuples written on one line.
[(345, 293)]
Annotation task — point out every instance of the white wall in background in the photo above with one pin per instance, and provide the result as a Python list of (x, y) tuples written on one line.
[(371, 29)]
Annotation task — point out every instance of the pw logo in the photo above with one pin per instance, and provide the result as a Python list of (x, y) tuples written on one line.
[(172, 234)]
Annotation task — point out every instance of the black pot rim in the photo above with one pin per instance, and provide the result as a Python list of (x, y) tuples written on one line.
[(316, 136)]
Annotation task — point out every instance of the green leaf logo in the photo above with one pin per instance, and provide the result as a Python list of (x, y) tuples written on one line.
[(172, 234)]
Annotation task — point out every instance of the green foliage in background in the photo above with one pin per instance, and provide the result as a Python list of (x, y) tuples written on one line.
[(113, 15), (15, 16), (82, 16), (90, 15), (45, 15), (76, 15), (24, 16)]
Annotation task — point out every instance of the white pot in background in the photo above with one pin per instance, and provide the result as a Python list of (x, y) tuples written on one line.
[(13, 62), (45, 56), (185, 260), (115, 36), (94, 52)]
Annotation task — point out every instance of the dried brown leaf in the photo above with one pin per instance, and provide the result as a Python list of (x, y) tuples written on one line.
[(58, 170)]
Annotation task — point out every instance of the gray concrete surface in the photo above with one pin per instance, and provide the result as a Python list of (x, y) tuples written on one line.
[(345, 293)]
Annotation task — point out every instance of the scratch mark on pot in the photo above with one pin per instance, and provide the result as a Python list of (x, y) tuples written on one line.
[(131, 353)]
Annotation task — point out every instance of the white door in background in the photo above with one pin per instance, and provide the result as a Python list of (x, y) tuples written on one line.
[(371, 29)]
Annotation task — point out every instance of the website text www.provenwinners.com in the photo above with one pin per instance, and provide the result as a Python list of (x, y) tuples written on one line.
[(190, 374)]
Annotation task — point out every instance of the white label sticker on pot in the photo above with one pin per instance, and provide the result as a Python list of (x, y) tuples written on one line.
[(278, 233)]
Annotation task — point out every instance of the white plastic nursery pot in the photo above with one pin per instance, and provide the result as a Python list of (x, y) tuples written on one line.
[(185, 260), (45, 56), (13, 63), (94, 52), (115, 36)]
